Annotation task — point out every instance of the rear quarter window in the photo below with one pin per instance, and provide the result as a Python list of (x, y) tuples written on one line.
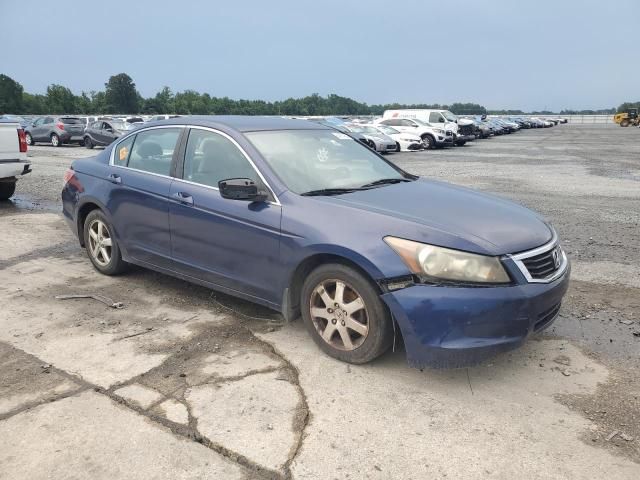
[(122, 150)]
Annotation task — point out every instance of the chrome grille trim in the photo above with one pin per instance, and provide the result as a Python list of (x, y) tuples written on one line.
[(547, 247)]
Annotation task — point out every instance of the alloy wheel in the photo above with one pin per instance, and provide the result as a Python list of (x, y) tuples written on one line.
[(339, 314), (55, 141), (100, 243)]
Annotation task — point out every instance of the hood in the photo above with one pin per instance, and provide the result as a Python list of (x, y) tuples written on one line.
[(440, 210)]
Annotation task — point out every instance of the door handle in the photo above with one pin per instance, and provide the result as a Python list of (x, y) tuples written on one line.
[(184, 198), (114, 178)]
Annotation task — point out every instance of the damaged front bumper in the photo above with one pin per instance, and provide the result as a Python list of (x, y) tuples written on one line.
[(449, 327)]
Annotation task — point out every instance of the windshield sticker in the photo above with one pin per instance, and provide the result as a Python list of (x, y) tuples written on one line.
[(322, 154), (341, 136)]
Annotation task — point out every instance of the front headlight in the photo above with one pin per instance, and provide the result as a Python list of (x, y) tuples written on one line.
[(410, 139), (447, 264), (438, 130)]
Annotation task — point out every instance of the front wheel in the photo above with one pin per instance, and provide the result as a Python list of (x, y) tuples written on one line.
[(428, 141), (88, 143), (344, 314), (7, 189), (624, 123), (55, 140), (101, 244)]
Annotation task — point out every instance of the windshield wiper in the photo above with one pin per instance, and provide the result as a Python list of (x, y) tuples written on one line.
[(385, 181), (329, 191)]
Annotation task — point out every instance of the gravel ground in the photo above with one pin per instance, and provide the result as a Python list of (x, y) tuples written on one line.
[(567, 405)]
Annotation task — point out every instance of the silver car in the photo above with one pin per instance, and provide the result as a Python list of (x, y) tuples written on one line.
[(376, 140), (56, 130)]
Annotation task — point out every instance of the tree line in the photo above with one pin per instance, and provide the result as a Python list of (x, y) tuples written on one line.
[(121, 96)]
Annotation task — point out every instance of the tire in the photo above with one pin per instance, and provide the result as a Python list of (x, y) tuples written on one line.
[(429, 142), (97, 231), (7, 189), (374, 328), (625, 123), (55, 140), (398, 149), (461, 143), (28, 138), (88, 143), (371, 145)]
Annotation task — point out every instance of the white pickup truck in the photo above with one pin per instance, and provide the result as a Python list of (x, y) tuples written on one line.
[(13, 157)]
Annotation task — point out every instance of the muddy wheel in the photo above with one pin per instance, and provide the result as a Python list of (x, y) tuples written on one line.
[(344, 314)]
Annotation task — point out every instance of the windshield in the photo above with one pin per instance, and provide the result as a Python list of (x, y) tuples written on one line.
[(308, 160), (449, 116), (420, 122), (363, 129), (119, 125), (388, 130)]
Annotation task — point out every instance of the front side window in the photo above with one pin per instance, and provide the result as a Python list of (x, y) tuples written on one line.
[(48, 120), (435, 117), (211, 157), (152, 150), (311, 160)]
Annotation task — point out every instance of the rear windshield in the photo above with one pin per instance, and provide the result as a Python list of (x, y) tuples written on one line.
[(72, 121)]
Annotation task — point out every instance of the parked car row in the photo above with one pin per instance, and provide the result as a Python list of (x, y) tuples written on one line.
[(411, 130), (395, 131)]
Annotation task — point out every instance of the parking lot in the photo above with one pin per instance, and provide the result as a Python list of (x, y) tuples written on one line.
[(184, 383)]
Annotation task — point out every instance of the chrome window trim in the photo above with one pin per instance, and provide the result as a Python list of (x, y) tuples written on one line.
[(553, 243), (198, 127)]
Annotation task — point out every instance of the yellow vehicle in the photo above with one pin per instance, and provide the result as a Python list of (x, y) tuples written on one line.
[(630, 117)]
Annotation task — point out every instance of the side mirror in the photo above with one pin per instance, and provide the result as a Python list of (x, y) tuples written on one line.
[(241, 189)]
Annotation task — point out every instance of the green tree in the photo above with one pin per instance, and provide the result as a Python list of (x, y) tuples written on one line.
[(121, 95), (10, 96), (60, 100)]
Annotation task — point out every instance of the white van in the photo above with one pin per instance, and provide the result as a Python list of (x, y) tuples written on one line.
[(444, 119)]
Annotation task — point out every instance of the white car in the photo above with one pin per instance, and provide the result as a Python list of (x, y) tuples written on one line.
[(406, 141), (13, 157), (431, 136), (376, 140)]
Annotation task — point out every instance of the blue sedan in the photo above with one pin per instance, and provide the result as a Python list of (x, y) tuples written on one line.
[(305, 220)]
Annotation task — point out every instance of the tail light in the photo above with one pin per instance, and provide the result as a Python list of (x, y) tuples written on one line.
[(22, 140), (68, 175), (60, 126)]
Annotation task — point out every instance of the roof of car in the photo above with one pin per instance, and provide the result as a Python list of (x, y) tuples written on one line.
[(243, 123)]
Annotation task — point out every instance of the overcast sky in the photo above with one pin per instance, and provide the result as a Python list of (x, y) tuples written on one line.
[(500, 53)]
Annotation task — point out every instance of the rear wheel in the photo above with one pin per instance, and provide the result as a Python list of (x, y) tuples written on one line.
[(7, 189), (461, 143), (55, 140), (28, 138), (625, 123), (344, 314), (88, 143), (428, 141), (101, 244)]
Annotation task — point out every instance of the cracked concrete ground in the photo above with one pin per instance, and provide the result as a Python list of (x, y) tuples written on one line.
[(183, 383)]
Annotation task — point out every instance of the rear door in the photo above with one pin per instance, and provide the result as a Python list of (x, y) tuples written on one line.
[(141, 174), (231, 243)]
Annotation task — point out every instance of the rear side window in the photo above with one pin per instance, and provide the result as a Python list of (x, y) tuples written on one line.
[(48, 120), (123, 149), (152, 150), (211, 157)]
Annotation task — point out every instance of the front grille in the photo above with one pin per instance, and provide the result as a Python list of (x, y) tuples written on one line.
[(546, 317), (465, 130), (543, 265), (391, 147)]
